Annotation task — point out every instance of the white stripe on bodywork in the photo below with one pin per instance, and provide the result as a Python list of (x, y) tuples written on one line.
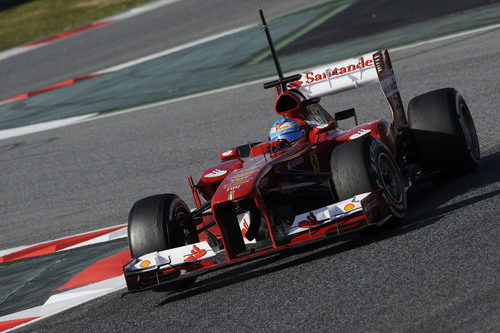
[(329, 213), (174, 257), (244, 221)]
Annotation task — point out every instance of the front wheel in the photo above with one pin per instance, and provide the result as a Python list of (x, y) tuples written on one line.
[(153, 226), (365, 165)]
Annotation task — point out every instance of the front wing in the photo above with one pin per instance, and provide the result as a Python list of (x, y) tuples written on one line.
[(159, 269)]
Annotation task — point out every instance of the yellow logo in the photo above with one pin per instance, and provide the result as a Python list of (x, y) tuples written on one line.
[(314, 161)]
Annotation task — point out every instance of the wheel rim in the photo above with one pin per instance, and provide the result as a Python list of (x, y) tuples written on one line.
[(190, 234), (390, 178), (179, 214)]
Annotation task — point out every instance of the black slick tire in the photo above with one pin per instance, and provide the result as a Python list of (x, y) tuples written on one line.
[(153, 226), (443, 132), (364, 165)]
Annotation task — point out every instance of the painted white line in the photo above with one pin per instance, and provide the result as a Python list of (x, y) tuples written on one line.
[(96, 116), (117, 234), (179, 99), (440, 39), (141, 9), (18, 131), (240, 85), (66, 300), (19, 248), (121, 16), (12, 250), (83, 294), (17, 51), (172, 50)]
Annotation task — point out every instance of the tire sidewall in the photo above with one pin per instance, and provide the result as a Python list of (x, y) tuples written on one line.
[(443, 133), (355, 169), (467, 125), (376, 152), (174, 209), (153, 225)]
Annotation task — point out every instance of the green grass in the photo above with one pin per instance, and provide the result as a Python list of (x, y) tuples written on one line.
[(43, 18)]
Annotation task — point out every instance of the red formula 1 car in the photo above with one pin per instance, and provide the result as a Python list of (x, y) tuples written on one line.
[(271, 196)]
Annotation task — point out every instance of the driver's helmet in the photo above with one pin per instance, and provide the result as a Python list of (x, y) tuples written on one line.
[(289, 130)]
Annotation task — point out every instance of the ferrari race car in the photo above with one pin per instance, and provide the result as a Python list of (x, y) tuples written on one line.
[(271, 196)]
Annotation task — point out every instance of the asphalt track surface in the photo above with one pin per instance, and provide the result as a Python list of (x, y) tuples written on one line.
[(438, 271), (166, 27), (368, 17)]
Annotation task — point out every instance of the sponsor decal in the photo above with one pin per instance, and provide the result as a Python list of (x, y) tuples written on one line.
[(196, 253), (293, 163), (373, 161), (215, 173), (232, 188), (145, 263), (349, 207), (245, 228), (237, 179), (310, 221), (314, 161), (227, 153), (360, 133), (243, 174), (231, 195), (232, 184), (295, 84), (312, 77)]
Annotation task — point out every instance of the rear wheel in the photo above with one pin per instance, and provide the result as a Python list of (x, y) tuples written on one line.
[(443, 132), (153, 226), (365, 165)]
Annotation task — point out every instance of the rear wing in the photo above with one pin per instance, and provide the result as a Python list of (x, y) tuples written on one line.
[(338, 77), (355, 73)]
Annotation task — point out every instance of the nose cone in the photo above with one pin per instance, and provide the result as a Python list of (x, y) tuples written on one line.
[(240, 183)]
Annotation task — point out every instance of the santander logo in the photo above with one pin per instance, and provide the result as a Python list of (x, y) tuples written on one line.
[(196, 253), (312, 77)]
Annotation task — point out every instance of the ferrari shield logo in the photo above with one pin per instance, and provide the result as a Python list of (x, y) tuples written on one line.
[(314, 161)]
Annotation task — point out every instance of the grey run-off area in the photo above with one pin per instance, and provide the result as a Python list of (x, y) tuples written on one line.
[(228, 61), (141, 35)]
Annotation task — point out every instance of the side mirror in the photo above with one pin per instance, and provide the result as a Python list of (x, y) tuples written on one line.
[(230, 154), (325, 127)]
